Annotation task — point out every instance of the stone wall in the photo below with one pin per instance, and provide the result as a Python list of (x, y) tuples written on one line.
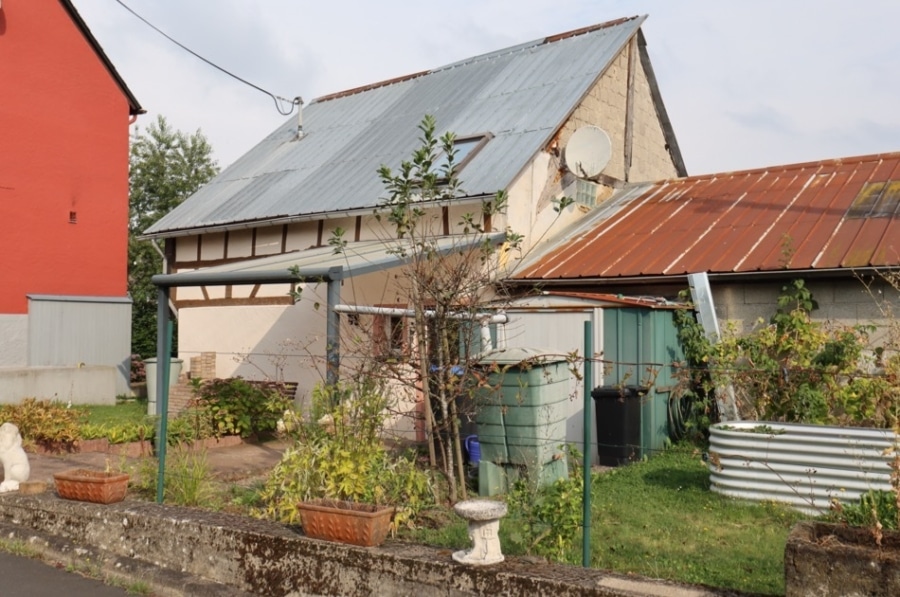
[(222, 554), (837, 561)]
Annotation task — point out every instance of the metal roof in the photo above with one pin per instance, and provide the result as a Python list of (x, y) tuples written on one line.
[(521, 95), (827, 215)]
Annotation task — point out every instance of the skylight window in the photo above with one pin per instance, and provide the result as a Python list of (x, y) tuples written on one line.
[(466, 149), (876, 200)]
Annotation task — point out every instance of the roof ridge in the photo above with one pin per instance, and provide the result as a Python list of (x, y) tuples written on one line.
[(480, 57), (134, 107), (873, 157)]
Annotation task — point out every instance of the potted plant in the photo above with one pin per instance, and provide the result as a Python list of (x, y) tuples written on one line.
[(343, 521), (338, 479), (102, 487)]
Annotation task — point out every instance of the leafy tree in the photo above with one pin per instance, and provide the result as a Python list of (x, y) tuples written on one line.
[(444, 290), (165, 167)]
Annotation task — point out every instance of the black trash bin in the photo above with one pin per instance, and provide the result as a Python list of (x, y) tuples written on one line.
[(618, 413)]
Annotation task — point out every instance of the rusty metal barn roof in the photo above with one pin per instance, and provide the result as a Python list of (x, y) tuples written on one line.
[(834, 214), (521, 95)]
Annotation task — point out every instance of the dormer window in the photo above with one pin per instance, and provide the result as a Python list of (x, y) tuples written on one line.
[(466, 148)]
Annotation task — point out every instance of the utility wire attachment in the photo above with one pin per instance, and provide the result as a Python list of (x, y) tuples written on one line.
[(279, 100)]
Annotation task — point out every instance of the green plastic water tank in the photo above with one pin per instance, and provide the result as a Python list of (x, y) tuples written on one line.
[(521, 418)]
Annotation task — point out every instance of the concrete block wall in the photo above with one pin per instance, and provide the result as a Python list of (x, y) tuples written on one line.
[(845, 302), (90, 384)]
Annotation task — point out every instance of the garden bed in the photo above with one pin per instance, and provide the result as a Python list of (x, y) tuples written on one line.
[(136, 449), (834, 560)]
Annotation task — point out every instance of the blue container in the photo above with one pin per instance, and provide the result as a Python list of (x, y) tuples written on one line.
[(474, 449)]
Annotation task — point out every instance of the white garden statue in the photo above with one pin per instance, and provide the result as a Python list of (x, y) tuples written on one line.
[(15, 462)]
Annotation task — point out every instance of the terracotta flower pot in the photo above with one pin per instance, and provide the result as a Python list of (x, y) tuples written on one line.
[(91, 486), (346, 522)]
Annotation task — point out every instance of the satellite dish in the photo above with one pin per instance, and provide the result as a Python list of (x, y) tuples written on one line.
[(588, 152)]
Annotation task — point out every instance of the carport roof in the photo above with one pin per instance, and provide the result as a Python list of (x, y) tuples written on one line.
[(317, 264)]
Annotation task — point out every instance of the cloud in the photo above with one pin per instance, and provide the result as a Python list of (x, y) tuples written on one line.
[(745, 84)]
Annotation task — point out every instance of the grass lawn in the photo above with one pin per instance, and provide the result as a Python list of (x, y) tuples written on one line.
[(659, 519), (121, 413)]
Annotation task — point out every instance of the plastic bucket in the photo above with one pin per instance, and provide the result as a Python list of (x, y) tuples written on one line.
[(474, 449)]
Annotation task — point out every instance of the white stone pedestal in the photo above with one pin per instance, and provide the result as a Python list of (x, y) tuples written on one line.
[(484, 526)]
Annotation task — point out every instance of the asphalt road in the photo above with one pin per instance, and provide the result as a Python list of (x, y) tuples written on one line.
[(25, 577)]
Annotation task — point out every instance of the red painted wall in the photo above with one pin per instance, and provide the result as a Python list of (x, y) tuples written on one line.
[(63, 148)]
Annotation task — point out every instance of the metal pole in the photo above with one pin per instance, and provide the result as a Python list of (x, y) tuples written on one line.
[(588, 383), (333, 330), (163, 350)]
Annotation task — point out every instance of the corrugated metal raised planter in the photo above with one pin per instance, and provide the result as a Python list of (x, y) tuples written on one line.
[(804, 466)]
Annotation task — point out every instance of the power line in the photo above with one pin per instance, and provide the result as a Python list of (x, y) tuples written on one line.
[(276, 98)]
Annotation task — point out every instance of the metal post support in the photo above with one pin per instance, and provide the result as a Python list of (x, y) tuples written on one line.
[(333, 328), (588, 376), (163, 352)]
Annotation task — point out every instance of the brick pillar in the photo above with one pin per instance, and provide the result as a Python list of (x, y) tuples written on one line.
[(204, 366)]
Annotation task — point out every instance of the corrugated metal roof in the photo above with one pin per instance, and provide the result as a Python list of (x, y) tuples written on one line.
[(521, 95), (842, 213)]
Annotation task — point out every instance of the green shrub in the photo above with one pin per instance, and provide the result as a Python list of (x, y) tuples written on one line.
[(795, 369), (189, 478), (52, 425), (342, 456), (873, 509), (189, 425), (239, 407), (546, 520)]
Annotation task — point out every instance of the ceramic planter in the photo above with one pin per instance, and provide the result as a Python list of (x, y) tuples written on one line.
[(91, 486), (366, 525)]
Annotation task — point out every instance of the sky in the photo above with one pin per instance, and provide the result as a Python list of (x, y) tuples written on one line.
[(746, 84)]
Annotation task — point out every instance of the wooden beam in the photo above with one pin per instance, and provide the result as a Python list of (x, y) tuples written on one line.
[(668, 132), (235, 302), (629, 107)]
